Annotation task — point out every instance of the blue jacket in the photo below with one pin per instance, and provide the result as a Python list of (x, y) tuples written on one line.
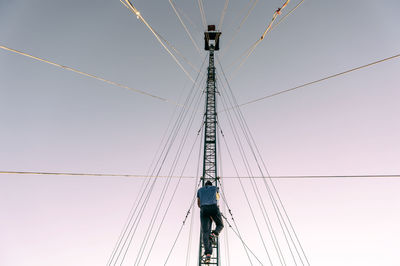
[(207, 195)]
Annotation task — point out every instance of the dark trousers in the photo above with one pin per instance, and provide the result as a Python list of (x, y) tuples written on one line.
[(206, 213)]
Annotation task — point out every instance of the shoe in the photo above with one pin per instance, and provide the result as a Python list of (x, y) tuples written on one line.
[(208, 258), (213, 238)]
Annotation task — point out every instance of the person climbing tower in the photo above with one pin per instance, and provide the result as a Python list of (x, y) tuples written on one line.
[(207, 200)]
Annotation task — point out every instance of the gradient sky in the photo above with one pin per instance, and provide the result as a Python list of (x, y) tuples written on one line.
[(54, 120)]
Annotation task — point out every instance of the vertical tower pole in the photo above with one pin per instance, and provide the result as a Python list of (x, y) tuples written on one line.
[(211, 38), (210, 127)]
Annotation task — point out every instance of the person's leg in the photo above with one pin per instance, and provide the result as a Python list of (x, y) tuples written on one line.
[(206, 230), (216, 216)]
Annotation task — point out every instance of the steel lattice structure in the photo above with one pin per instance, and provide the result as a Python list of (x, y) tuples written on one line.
[(211, 38)]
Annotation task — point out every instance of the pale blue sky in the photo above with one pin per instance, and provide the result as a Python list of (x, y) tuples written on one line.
[(58, 121)]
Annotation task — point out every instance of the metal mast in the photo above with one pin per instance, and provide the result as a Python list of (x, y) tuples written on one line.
[(211, 38)]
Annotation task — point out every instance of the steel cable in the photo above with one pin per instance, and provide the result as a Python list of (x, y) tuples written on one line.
[(184, 26), (236, 32), (194, 193), (248, 169), (255, 187), (171, 172), (202, 14), (163, 155), (221, 20), (183, 224), (258, 194), (253, 47), (320, 80), (171, 140), (240, 238), (130, 6), (193, 177), (86, 74), (252, 142)]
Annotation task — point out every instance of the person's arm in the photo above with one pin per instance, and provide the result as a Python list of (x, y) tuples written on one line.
[(217, 195), (198, 198)]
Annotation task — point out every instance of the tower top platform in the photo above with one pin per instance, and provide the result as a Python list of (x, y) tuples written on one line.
[(211, 38)]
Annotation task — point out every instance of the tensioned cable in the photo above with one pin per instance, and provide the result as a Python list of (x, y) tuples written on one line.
[(258, 196), (281, 220), (180, 121), (130, 6), (321, 79), (181, 146), (194, 193), (256, 189), (184, 26), (87, 74), (171, 140), (248, 170), (140, 215), (160, 38), (142, 192), (194, 25), (160, 162), (172, 197), (288, 14), (166, 130), (125, 227), (279, 199), (192, 177), (274, 25), (191, 120), (189, 243), (275, 205), (144, 203), (136, 202), (170, 46), (223, 15), (235, 33), (227, 247), (240, 238), (234, 221), (186, 104), (183, 224), (225, 238), (203, 15), (225, 205), (163, 217), (256, 192), (178, 52), (249, 51)]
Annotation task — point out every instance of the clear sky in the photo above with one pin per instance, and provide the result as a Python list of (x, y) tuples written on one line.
[(53, 120)]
